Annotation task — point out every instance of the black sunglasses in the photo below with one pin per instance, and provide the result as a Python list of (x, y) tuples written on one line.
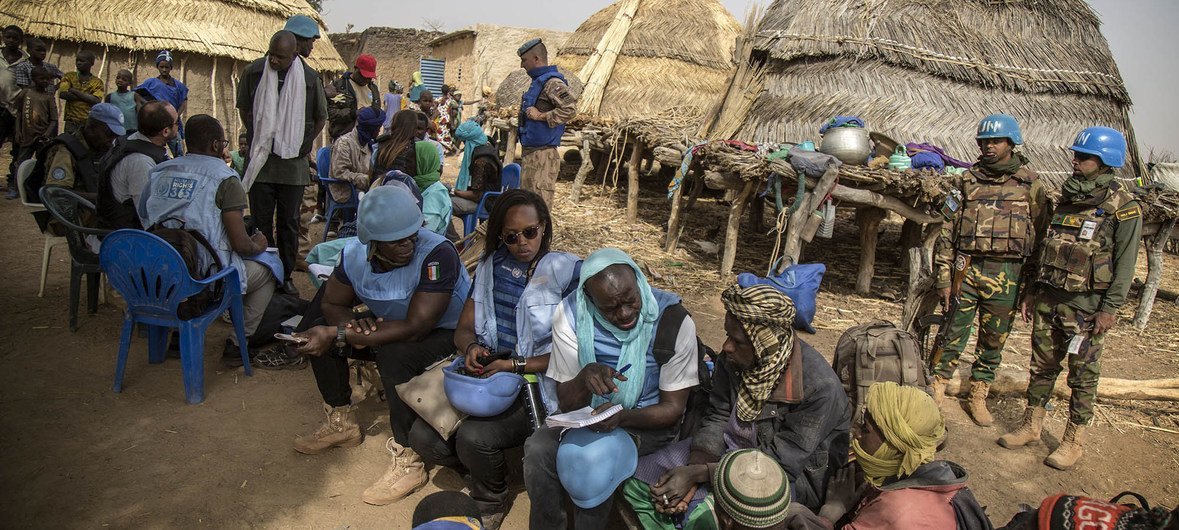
[(529, 233)]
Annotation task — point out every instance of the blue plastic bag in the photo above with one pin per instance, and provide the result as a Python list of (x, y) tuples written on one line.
[(801, 283)]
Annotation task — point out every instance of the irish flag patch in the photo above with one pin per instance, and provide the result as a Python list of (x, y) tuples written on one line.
[(433, 271)]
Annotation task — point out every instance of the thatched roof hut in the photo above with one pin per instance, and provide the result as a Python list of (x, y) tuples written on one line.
[(927, 71), (677, 54), (212, 40), (484, 54), (511, 90)]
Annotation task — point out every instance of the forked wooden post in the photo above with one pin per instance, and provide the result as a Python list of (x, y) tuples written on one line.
[(632, 182), (510, 151), (1154, 273), (587, 166), (734, 228), (675, 221), (868, 218)]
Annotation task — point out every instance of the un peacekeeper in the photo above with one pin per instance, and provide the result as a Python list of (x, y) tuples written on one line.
[(546, 107), (1085, 270), (994, 214), (72, 161)]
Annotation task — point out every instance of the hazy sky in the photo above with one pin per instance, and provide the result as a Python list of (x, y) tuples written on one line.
[(1141, 33)]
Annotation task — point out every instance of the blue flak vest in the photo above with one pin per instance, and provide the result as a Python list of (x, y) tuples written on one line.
[(388, 294), (607, 349), (185, 189), (535, 133)]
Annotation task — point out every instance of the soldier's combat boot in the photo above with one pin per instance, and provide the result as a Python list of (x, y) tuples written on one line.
[(978, 403), (1027, 432), (340, 430), (406, 474), (1071, 448), (938, 389)]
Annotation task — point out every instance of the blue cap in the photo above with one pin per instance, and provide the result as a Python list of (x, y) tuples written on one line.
[(302, 26), (527, 46), (110, 115)]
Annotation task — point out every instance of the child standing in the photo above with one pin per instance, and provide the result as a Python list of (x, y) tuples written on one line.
[(80, 90), (37, 53), (129, 102), (36, 119)]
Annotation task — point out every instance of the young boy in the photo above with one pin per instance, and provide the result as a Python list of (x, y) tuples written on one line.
[(80, 90), (238, 158), (37, 53), (36, 118), (128, 101)]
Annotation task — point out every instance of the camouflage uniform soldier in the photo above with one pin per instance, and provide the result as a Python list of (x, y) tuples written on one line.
[(994, 215), (544, 109), (1086, 267)]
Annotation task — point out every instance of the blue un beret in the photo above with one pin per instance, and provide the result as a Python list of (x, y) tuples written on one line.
[(527, 46), (303, 26)]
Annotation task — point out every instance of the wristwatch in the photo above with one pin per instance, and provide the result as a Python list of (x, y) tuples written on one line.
[(518, 364), (341, 334)]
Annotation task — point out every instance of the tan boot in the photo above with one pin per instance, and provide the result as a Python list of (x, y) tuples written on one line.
[(978, 403), (938, 389), (1071, 448), (405, 475), (1028, 431), (340, 430)]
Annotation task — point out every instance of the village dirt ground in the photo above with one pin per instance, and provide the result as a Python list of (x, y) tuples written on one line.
[(75, 454)]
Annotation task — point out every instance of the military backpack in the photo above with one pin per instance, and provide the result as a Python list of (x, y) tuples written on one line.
[(877, 351)]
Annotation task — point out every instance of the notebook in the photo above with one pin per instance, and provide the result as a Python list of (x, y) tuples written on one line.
[(582, 417)]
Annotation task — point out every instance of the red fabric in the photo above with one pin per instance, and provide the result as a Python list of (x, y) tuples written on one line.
[(1065, 512), (921, 508)]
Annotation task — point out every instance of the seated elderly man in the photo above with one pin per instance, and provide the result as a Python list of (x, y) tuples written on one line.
[(772, 392), (415, 285), (603, 355)]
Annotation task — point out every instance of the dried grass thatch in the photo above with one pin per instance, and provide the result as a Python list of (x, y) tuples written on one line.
[(927, 71), (239, 29), (677, 53), (511, 90)]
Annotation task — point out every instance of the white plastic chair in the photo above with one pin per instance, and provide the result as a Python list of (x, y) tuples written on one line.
[(22, 173)]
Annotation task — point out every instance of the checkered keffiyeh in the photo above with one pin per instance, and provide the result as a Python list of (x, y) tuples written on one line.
[(766, 315)]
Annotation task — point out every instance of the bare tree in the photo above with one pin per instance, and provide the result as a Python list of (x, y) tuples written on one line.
[(432, 24)]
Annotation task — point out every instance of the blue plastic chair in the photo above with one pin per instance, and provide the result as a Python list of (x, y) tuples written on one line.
[(347, 210), (153, 280), (509, 180)]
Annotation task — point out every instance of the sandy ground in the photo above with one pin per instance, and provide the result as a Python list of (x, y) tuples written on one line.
[(76, 454)]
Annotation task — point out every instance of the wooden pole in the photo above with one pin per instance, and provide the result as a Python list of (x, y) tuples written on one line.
[(213, 89), (910, 237), (1009, 382), (587, 165), (732, 232), (675, 221), (510, 150), (1154, 274), (792, 246), (868, 218), (920, 298), (632, 182)]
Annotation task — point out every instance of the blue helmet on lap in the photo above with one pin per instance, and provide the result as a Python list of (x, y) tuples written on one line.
[(591, 464), (1103, 142), (1000, 126), (481, 397)]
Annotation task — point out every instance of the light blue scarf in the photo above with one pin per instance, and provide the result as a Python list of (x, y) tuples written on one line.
[(472, 135), (635, 341)]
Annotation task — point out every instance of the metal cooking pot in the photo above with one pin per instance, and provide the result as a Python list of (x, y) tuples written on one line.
[(848, 144)]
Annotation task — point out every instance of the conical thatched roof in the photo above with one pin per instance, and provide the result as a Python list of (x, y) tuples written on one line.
[(239, 29), (927, 71), (677, 53), (511, 90)]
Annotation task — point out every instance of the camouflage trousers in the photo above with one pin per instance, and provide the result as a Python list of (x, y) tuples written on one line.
[(1059, 332), (307, 209), (538, 172), (988, 295)]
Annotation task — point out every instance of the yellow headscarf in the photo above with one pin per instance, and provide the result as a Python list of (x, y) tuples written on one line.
[(911, 425)]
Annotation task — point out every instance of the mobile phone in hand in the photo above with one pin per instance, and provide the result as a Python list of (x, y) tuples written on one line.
[(290, 338)]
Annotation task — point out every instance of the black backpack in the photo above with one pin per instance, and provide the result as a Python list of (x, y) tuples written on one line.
[(664, 350), (188, 243)]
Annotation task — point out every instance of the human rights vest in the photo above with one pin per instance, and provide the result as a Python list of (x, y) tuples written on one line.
[(388, 293), (111, 213), (184, 190), (1078, 248), (534, 133), (534, 311), (996, 218), (608, 349)]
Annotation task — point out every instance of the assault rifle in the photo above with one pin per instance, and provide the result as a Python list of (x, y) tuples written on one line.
[(961, 263)]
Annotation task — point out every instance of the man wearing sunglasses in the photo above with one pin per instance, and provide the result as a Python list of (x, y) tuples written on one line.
[(1085, 269), (414, 284), (123, 173)]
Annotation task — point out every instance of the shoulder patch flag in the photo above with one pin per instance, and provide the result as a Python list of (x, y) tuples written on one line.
[(433, 271), (1129, 212)]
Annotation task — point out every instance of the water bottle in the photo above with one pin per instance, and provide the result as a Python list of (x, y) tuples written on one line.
[(533, 402)]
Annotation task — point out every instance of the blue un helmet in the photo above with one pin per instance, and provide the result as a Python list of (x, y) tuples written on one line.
[(999, 126), (482, 397), (592, 464), (387, 213), (1103, 142)]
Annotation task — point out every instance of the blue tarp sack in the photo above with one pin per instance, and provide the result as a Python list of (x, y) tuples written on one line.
[(801, 283)]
